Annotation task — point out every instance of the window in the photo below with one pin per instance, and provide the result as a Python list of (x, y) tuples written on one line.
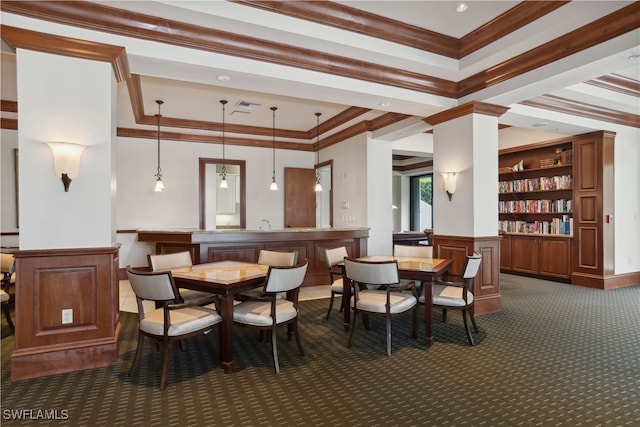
[(421, 203)]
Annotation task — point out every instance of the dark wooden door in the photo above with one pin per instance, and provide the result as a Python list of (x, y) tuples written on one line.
[(299, 197)]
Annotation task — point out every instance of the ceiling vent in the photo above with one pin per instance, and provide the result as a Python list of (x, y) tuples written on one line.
[(247, 105)]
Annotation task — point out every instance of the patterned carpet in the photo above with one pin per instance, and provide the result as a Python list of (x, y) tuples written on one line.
[(555, 355)]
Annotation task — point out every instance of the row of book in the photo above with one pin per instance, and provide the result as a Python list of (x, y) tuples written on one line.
[(543, 183), (535, 206), (557, 226)]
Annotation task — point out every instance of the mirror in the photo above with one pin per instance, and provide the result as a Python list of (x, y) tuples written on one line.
[(222, 208), (324, 199)]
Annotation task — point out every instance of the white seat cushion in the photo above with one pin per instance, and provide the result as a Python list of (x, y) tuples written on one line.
[(258, 313), (448, 295), (337, 287), (183, 320), (375, 301), (4, 297)]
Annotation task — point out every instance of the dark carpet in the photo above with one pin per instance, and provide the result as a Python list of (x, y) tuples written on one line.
[(555, 355)]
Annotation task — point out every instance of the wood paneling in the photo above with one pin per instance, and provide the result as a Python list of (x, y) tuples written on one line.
[(487, 282), (524, 255), (555, 257), (245, 245), (48, 281)]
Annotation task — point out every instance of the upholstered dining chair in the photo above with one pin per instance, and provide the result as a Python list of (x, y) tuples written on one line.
[(272, 259), (7, 289), (458, 295), (395, 298), (165, 262), (171, 321), (267, 311), (418, 251), (333, 258)]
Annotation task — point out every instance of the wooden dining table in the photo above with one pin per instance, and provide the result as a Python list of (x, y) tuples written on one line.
[(425, 270), (226, 279)]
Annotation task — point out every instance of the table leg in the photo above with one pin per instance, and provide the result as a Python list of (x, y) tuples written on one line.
[(226, 333), (428, 312)]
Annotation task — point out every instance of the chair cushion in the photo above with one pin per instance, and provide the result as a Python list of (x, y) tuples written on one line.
[(448, 295), (337, 287), (4, 297), (375, 301), (258, 313), (183, 320)]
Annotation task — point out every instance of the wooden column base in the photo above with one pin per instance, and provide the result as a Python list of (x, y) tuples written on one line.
[(487, 282)]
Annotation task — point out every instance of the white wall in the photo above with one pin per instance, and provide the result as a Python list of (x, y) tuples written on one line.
[(71, 100)]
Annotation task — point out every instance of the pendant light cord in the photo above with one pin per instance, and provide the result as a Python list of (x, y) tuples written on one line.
[(159, 172)]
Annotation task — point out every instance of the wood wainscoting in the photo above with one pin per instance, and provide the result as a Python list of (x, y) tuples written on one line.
[(83, 280), (487, 282)]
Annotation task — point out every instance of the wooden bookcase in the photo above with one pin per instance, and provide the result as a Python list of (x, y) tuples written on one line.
[(552, 212), (535, 209)]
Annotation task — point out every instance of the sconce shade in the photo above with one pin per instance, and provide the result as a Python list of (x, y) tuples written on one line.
[(449, 183), (66, 160)]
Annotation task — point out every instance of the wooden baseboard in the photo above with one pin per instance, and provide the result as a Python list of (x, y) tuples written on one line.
[(606, 282)]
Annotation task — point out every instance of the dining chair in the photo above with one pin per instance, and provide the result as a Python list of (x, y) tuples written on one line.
[(7, 289), (267, 311), (458, 295), (171, 321), (395, 298), (165, 262), (417, 251), (335, 263), (272, 259)]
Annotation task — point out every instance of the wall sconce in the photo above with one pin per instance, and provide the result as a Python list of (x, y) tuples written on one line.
[(449, 183), (66, 161)]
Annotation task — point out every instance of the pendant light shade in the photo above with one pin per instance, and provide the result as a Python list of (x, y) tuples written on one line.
[(318, 186), (223, 174), (159, 184), (274, 185)]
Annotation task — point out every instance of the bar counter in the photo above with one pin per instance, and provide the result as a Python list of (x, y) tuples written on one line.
[(245, 244)]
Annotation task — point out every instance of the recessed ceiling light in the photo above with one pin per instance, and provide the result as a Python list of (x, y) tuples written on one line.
[(540, 124), (385, 104), (635, 56), (223, 78), (462, 7)]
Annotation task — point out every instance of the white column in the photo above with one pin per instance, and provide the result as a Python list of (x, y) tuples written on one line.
[(72, 100)]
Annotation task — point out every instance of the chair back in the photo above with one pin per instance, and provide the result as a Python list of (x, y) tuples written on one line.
[(7, 263), (285, 278), (419, 251), (277, 258), (335, 255), (153, 286), (373, 273), (472, 266), (170, 261)]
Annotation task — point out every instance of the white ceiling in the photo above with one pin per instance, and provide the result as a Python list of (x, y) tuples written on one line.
[(186, 79)]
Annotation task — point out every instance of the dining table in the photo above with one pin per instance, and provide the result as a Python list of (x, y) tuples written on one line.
[(225, 279), (424, 270)]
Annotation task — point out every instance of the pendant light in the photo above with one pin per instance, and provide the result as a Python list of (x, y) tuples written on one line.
[(274, 185), (159, 184), (223, 181), (318, 186)]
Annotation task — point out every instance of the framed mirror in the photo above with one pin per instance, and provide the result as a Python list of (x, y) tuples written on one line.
[(222, 208), (324, 198)]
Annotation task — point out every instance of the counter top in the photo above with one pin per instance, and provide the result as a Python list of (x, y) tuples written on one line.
[(245, 230)]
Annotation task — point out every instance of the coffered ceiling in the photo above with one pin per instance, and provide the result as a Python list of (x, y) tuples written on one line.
[(382, 66)]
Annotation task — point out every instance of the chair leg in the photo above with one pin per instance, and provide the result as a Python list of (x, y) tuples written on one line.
[(473, 320), (330, 306), (136, 358), (165, 364), (295, 331), (353, 327), (444, 315), (466, 326), (415, 322), (388, 317), (7, 314), (274, 347)]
